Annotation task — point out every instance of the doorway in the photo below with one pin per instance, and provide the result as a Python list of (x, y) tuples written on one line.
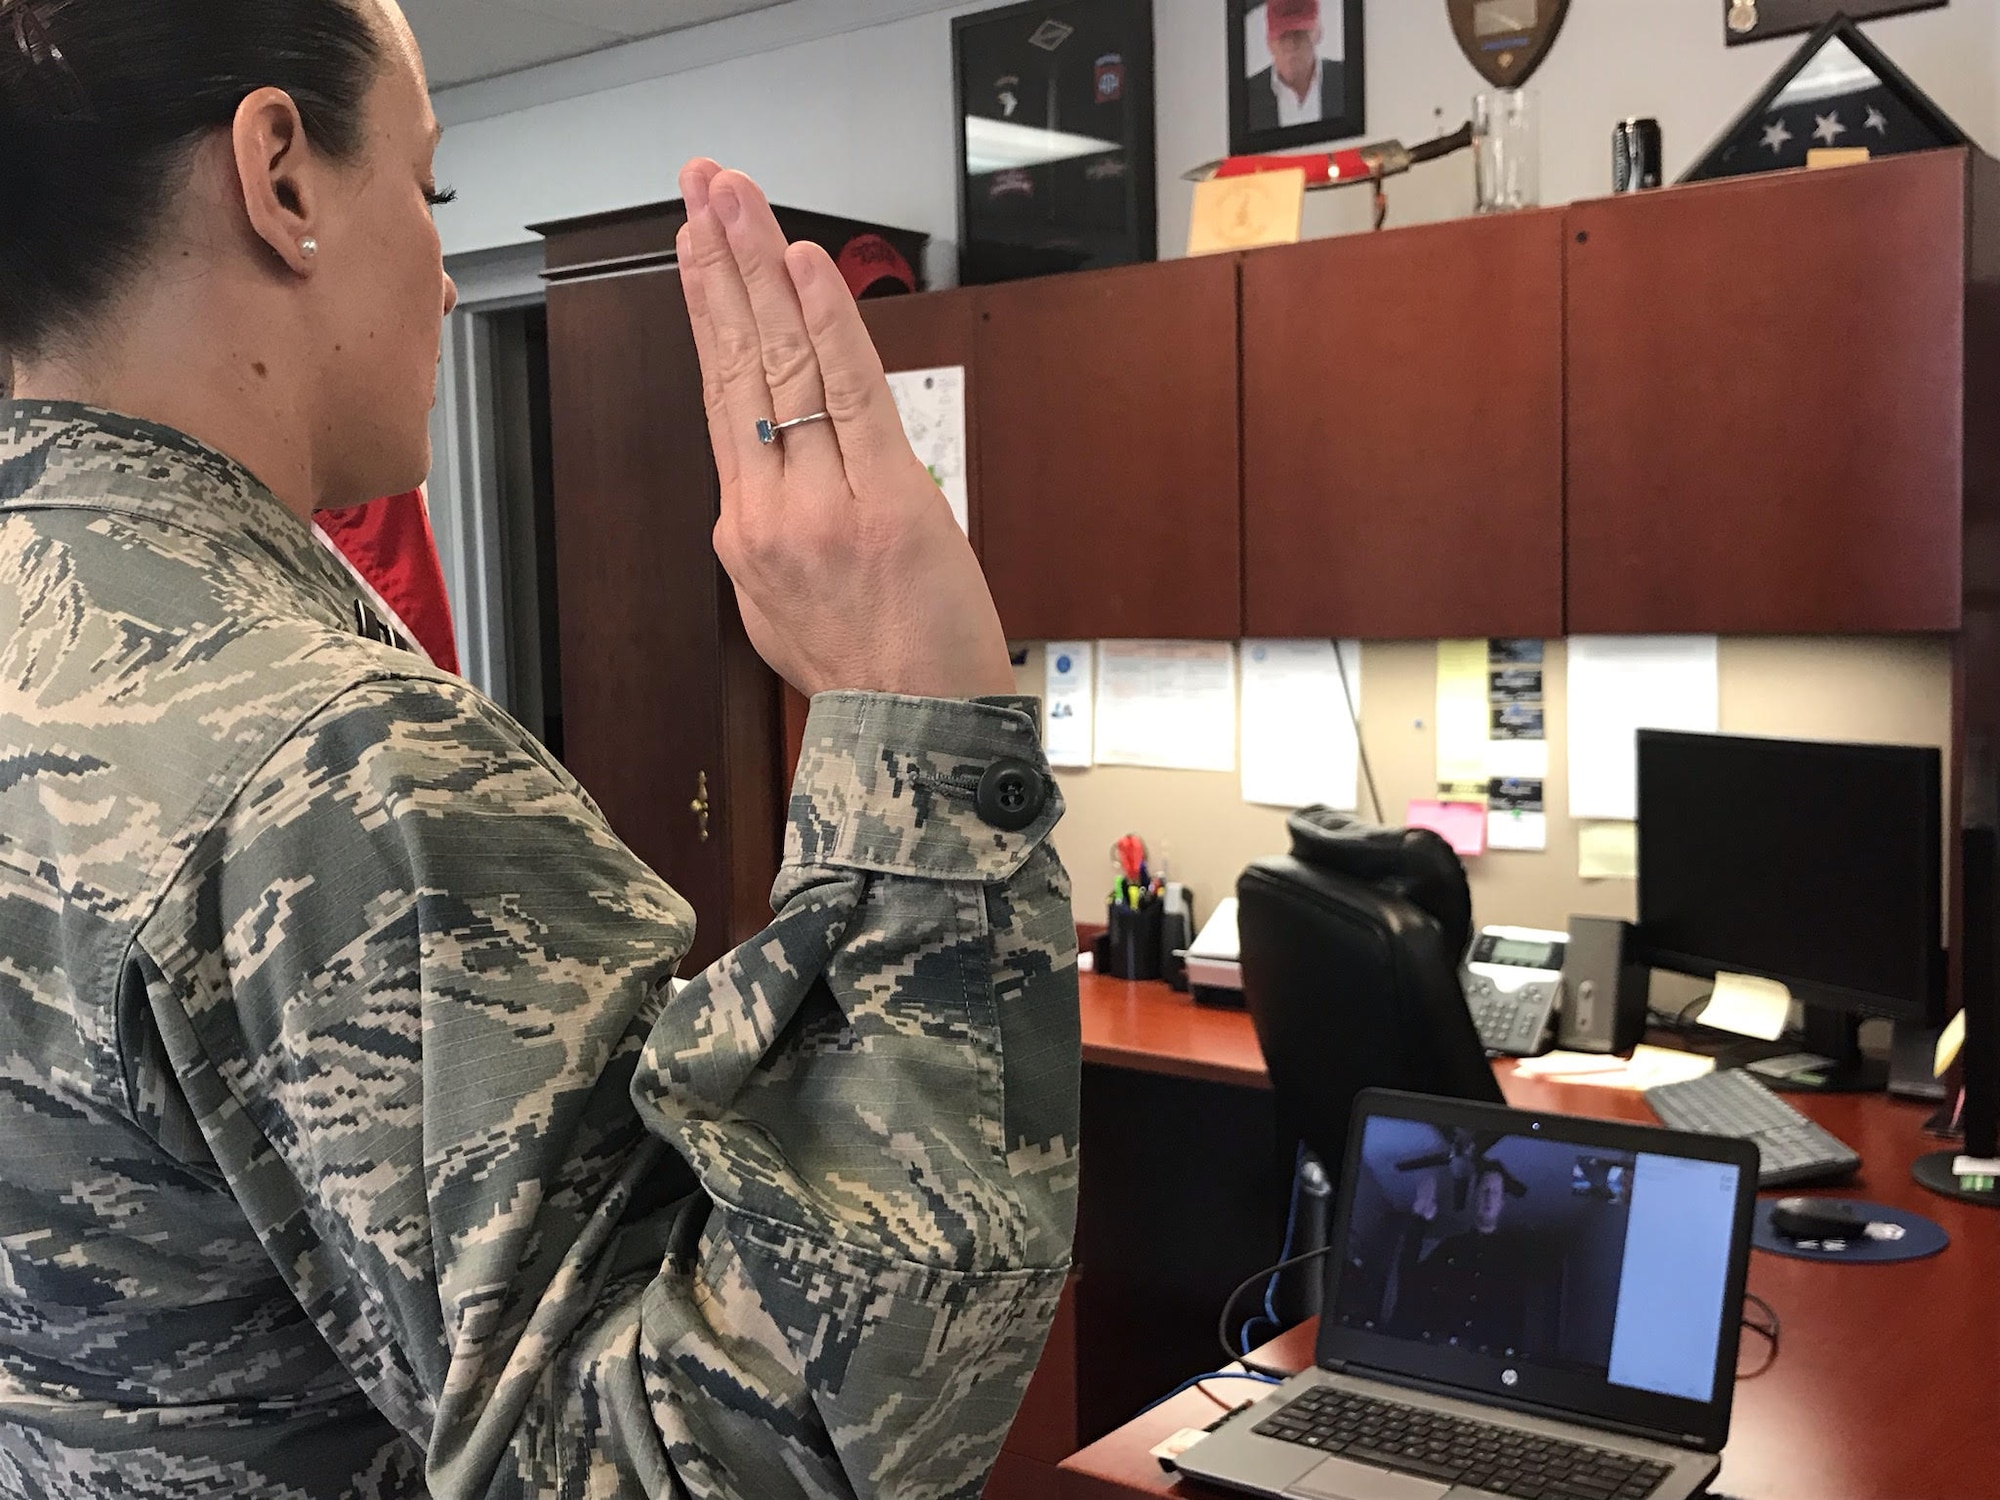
[(524, 500)]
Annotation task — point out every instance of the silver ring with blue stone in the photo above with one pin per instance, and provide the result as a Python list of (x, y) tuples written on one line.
[(768, 431)]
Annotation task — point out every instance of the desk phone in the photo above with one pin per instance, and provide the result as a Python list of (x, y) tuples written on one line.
[(1514, 985)]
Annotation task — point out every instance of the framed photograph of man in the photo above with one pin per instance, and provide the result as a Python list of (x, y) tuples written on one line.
[(1295, 73)]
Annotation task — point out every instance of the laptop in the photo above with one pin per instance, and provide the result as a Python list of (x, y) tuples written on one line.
[(1516, 1304)]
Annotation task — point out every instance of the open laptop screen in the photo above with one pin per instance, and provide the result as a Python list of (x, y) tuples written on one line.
[(1583, 1267)]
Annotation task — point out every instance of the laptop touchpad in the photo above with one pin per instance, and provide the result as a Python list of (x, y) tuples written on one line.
[(1337, 1479)]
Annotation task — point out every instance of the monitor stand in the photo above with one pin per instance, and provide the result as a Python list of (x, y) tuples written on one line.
[(1836, 1034), (1933, 1170)]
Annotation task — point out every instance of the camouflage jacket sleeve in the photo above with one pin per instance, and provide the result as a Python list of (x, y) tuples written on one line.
[(417, 1000)]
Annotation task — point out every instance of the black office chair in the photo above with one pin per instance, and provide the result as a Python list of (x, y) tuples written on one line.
[(1351, 946)]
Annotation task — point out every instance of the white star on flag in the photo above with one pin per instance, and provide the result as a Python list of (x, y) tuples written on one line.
[(1828, 127), (1876, 121), (1775, 135)]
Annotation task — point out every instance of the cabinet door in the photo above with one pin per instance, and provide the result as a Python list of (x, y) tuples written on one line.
[(1402, 432), (642, 654), (926, 332), (1765, 403), (1108, 453)]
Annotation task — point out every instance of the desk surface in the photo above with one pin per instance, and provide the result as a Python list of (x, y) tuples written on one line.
[(1149, 1028), (1886, 1386)]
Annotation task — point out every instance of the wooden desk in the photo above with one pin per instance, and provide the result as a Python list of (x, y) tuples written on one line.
[(1186, 1179), (1885, 1387), (1144, 1026)]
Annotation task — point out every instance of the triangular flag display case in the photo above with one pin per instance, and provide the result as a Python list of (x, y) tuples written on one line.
[(1837, 90)]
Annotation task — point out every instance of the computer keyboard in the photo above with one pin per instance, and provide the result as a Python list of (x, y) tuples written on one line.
[(1454, 1450), (1790, 1148)]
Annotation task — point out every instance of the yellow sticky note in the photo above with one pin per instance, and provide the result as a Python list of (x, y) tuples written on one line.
[(1462, 718), (1239, 213), (1607, 851), (1748, 1006), (1949, 1043)]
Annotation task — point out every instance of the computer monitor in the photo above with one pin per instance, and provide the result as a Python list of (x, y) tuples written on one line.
[(1818, 865)]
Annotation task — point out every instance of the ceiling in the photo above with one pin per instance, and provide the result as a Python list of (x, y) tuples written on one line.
[(464, 40)]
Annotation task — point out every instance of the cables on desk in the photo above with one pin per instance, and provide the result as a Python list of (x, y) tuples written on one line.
[(1195, 1380), (1701, 1000), (1678, 1021), (1229, 1306), (1270, 1314)]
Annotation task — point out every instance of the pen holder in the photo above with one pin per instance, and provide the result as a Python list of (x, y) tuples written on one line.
[(1132, 941)]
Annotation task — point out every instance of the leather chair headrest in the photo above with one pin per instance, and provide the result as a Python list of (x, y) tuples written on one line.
[(1413, 863)]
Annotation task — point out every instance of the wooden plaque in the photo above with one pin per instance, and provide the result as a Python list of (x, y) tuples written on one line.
[(1506, 40)]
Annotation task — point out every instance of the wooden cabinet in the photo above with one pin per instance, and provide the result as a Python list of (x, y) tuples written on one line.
[(1402, 432), (1765, 403), (664, 703), (1739, 407), (670, 719), (1106, 405)]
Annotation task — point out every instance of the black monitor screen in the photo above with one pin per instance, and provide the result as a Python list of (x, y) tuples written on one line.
[(1814, 864)]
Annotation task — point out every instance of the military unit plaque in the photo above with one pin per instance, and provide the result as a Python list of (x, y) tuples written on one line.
[(1506, 40)]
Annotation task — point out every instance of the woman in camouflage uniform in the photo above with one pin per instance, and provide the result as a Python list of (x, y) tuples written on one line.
[(358, 1141)]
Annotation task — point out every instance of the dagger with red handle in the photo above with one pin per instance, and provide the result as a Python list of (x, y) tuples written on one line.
[(1326, 169)]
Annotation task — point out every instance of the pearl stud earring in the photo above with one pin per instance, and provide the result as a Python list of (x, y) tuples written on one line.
[(309, 247)]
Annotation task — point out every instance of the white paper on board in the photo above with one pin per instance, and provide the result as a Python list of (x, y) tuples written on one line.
[(1525, 831), (932, 406), (1067, 702), (1167, 703), (1528, 759), (1299, 716), (1618, 685)]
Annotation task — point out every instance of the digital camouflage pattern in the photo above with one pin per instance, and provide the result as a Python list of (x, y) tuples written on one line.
[(354, 1138)]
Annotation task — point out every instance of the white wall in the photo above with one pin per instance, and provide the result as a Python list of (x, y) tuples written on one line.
[(845, 106)]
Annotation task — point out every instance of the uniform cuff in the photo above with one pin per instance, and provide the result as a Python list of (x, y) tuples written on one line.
[(940, 788)]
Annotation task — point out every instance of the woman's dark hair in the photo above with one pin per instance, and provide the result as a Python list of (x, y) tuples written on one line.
[(101, 105)]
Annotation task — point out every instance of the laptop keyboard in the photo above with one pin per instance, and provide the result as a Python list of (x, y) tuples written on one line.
[(1480, 1455)]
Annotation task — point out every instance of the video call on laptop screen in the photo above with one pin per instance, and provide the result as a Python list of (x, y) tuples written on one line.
[(1547, 1255)]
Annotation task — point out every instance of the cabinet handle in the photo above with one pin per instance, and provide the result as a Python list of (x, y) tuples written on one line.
[(699, 807)]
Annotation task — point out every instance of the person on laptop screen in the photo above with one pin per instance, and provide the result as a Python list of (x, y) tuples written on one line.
[(1506, 1246), (1477, 1281)]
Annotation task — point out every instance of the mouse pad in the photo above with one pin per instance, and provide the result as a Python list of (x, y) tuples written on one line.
[(1918, 1237)]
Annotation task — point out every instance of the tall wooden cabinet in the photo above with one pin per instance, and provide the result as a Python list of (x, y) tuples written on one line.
[(1108, 457), (1766, 402), (670, 719), (1402, 432)]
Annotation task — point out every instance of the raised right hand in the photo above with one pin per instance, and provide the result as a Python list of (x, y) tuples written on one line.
[(1425, 1203), (849, 569)]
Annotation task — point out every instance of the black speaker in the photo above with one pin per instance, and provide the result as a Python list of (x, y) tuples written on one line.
[(1604, 987)]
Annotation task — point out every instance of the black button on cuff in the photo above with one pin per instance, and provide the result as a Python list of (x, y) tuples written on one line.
[(1011, 794)]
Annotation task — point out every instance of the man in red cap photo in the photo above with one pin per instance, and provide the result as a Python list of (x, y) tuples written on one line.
[(1300, 87)]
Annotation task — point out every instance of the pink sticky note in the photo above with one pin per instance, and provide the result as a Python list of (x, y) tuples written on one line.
[(1461, 824)]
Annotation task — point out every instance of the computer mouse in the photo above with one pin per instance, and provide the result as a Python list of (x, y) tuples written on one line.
[(1817, 1219)]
